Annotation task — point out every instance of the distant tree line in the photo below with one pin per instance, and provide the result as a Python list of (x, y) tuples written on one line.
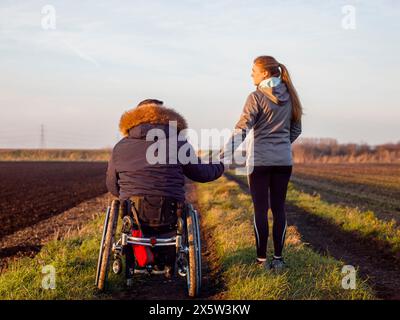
[(327, 150), (305, 150)]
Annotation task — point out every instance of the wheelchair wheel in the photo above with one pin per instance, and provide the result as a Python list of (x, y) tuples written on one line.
[(193, 275), (102, 245), (109, 231), (198, 247)]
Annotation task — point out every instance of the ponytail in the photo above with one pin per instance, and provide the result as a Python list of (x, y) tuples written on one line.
[(297, 109), (269, 64)]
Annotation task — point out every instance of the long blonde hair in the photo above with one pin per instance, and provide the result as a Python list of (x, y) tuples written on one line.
[(276, 69)]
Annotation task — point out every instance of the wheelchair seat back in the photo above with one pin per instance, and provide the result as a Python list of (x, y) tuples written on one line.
[(157, 215)]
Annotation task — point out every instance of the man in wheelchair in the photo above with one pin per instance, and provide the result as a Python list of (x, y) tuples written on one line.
[(155, 189)]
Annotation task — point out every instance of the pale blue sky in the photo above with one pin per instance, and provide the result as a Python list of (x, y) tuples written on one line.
[(196, 56)]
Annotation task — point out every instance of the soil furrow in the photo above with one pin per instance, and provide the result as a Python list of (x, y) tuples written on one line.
[(35, 191)]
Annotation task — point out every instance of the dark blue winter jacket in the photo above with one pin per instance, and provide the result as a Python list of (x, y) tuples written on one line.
[(131, 173)]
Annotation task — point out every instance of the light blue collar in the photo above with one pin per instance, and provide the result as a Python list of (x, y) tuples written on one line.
[(270, 82)]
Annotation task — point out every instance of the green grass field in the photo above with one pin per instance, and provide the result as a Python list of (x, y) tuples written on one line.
[(364, 223), (74, 260)]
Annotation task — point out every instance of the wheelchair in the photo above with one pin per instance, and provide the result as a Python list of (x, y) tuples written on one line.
[(183, 240)]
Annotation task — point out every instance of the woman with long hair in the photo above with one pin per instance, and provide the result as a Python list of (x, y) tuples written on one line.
[(274, 113)]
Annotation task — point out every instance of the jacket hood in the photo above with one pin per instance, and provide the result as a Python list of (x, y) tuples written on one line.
[(148, 116), (278, 94)]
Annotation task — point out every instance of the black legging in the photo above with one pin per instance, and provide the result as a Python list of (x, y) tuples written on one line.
[(274, 179)]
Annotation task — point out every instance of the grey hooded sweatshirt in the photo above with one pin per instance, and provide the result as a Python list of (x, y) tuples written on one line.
[(268, 111)]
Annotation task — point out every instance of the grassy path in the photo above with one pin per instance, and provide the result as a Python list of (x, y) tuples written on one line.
[(227, 210), (347, 234)]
